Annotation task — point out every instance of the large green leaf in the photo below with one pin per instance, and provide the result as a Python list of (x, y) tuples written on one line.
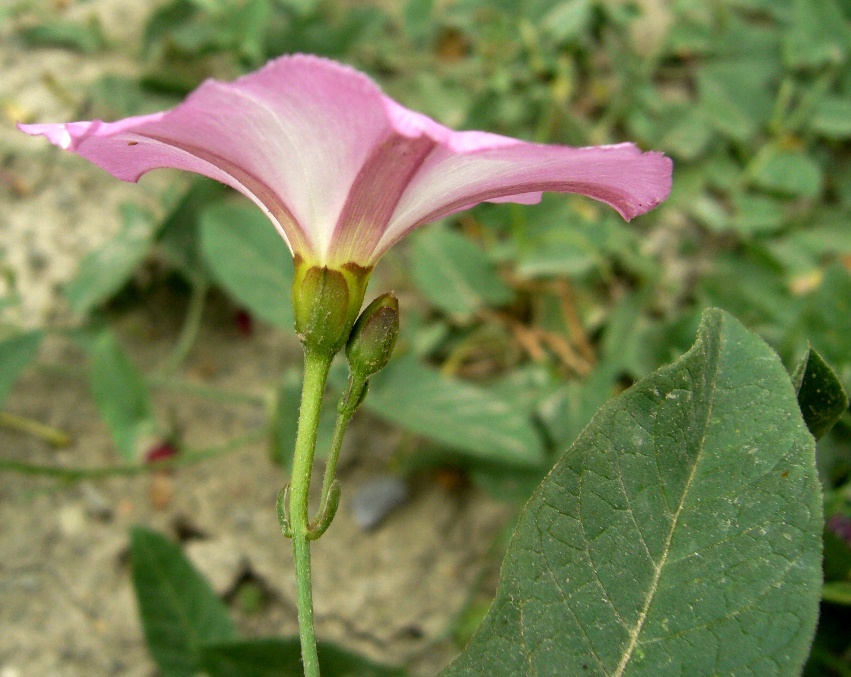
[(106, 270), (680, 534), (281, 657), (249, 259), (120, 394), (458, 414), (179, 610), (454, 274), (16, 352)]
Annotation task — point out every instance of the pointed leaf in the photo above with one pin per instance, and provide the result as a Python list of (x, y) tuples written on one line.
[(120, 394), (820, 394), (680, 534), (249, 259), (179, 610), (455, 274), (281, 657), (106, 270), (87, 38), (16, 352), (467, 418)]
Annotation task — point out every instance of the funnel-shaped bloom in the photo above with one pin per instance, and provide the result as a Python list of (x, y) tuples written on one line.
[(342, 170)]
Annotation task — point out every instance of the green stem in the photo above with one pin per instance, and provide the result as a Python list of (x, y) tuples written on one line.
[(160, 382), (52, 436), (316, 366), (349, 403), (211, 393), (105, 472), (191, 325)]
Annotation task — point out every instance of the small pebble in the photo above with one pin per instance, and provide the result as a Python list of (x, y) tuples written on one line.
[(72, 520), (97, 506), (375, 499)]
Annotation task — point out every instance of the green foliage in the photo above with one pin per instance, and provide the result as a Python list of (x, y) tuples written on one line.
[(838, 592), (121, 395), (820, 395), (281, 657), (179, 610), (107, 269), (188, 628), (249, 259), (454, 274), (818, 34), (455, 413), (679, 534), (826, 319), (16, 352), (87, 38), (752, 99), (179, 235)]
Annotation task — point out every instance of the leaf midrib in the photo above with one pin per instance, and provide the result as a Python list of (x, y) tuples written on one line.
[(635, 633)]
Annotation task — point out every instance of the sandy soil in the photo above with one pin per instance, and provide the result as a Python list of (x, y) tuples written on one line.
[(66, 604)]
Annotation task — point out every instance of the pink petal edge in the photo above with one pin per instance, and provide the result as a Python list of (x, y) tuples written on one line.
[(342, 170)]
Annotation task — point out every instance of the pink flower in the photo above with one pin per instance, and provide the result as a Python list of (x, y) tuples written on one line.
[(343, 171)]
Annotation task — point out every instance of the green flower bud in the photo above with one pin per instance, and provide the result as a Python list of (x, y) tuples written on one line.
[(326, 302), (374, 336)]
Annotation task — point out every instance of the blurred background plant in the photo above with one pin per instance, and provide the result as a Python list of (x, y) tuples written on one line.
[(518, 323)]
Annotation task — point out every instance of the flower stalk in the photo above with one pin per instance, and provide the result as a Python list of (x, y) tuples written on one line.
[(322, 301), (316, 366), (368, 351)]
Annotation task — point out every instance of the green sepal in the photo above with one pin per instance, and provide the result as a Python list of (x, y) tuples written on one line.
[(326, 302)]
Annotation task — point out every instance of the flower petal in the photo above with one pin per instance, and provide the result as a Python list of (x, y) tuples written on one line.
[(342, 170), (292, 136), (473, 167), (129, 148)]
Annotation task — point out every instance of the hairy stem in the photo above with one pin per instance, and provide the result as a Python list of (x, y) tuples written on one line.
[(349, 403), (316, 366)]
